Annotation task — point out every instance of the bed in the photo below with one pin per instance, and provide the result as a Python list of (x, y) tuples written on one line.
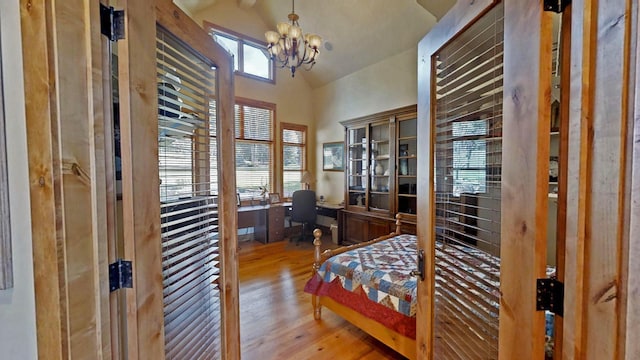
[(370, 285)]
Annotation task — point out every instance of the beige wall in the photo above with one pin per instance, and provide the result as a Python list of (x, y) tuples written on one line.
[(292, 96), (17, 305), (389, 84)]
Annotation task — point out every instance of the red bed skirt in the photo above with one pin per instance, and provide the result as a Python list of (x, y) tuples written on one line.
[(358, 301)]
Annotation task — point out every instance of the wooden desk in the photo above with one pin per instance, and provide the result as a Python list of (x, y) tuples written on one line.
[(254, 216), (332, 211), (267, 221)]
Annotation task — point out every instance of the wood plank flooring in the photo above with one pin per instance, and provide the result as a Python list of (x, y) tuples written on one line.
[(276, 316)]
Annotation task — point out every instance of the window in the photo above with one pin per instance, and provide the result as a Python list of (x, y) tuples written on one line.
[(294, 157), (254, 147), (250, 56), (469, 157)]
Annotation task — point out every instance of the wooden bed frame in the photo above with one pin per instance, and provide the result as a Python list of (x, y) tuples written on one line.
[(400, 343)]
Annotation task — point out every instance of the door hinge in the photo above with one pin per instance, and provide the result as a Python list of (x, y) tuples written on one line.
[(550, 296), (120, 275), (112, 22), (556, 6)]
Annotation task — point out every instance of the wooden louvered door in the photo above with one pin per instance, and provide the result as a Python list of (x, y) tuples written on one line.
[(482, 72), (179, 204), (188, 197)]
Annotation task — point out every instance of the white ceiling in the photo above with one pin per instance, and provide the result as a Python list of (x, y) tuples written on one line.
[(359, 32)]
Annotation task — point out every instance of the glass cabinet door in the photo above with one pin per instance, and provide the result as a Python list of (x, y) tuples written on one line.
[(357, 164), (407, 165), (380, 167)]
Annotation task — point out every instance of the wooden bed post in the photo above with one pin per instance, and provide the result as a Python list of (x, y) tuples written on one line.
[(317, 260), (398, 223)]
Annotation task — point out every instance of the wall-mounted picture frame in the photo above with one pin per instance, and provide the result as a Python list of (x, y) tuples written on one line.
[(333, 156), (274, 198)]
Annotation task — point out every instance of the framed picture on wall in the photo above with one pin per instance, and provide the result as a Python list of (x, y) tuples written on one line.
[(333, 156)]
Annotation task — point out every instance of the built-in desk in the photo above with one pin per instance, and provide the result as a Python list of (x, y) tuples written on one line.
[(267, 221)]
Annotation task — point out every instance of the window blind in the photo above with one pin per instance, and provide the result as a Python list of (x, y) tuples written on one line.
[(468, 161), (293, 157), (254, 148), (189, 218)]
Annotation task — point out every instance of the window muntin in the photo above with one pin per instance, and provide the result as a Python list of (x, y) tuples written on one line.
[(251, 58), (294, 153)]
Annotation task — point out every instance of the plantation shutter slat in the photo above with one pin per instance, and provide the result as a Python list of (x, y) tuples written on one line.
[(468, 162), (188, 193)]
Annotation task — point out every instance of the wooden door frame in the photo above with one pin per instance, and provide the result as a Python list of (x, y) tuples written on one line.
[(600, 316), (66, 132), (523, 232), (63, 73)]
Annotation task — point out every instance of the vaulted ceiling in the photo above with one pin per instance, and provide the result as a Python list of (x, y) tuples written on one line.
[(356, 33)]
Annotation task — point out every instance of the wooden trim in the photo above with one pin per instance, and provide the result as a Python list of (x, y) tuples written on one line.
[(173, 19), (456, 20), (400, 343), (598, 188), (140, 183), (561, 225), (525, 179), (6, 264), (65, 135), (382, 117), (44, 177), (632, 324)]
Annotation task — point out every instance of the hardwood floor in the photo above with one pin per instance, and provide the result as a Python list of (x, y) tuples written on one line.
[(276, 317)]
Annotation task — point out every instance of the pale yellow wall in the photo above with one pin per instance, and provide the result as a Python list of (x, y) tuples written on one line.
[(17, 305), (292, 96), (389, 84)]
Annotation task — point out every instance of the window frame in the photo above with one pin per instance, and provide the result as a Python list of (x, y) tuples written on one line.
[(242, 40), (271, 142), (295, 127)]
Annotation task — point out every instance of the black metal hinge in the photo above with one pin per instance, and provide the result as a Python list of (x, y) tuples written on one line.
[(550, 296), (112, 22), (120, 275), (556, 6)]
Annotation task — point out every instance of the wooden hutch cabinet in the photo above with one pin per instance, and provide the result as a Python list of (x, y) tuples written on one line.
[(380, 173)]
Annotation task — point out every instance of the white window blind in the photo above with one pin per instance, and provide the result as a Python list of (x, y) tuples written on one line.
[(468, 162), (254, 148), (189, 218), (294, 155)]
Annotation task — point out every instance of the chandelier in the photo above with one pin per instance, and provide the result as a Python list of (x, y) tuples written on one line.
[(289, 47)]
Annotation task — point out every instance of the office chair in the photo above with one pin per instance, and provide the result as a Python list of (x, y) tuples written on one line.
[(303, 210)]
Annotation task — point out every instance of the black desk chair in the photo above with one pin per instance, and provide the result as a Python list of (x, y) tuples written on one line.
[(303, 210)]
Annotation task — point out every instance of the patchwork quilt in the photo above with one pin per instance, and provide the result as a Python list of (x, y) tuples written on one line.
[(380, 271)]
